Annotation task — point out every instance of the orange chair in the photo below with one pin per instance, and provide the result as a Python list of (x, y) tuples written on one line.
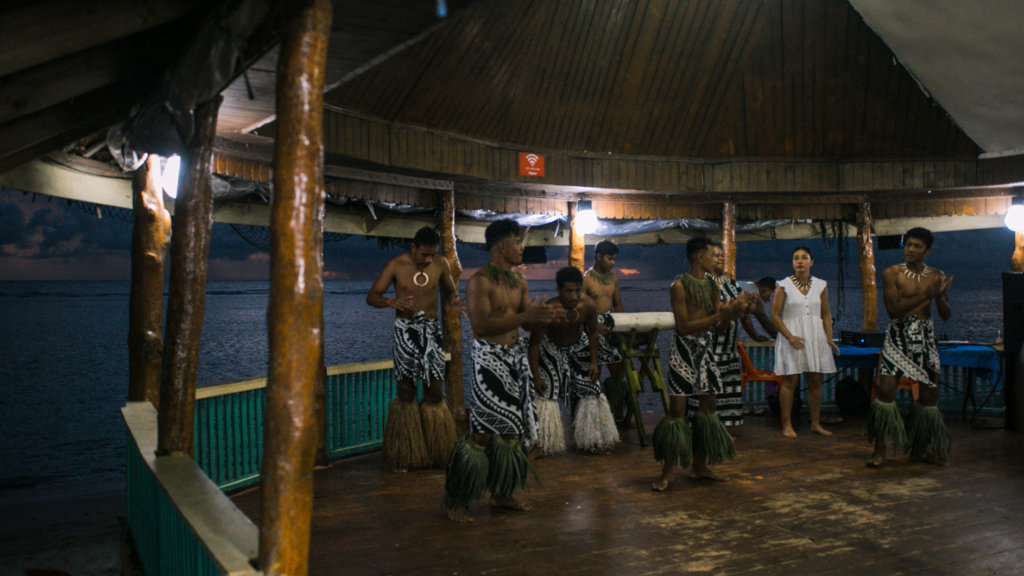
[(903, 384), (748, 373)]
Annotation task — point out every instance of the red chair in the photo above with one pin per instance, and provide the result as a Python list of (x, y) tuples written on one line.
[(748, 373)]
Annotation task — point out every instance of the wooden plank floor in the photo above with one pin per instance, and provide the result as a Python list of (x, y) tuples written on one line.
[(807, 506)]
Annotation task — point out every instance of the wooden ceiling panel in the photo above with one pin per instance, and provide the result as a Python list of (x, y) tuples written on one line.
[(702, 79)]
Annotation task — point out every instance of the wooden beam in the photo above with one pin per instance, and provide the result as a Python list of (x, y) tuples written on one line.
[(186, 298), (729, 238), (1017, 260), (866, 253), (577, 240), (295, 315), (35, 32), (452, 319), (150, 234), (29, 137)]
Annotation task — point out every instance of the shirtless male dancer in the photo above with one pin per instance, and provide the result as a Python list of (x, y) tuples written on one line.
[(500, 398), (729, 403), (424, 436), (698, 310), (910, 351), (564, 361), (601, 283)]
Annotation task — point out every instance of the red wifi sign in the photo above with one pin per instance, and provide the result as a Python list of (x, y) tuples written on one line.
[(531, 164)]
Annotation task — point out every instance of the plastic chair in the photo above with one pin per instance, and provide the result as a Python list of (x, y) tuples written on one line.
[(903, 384), (749, 373)]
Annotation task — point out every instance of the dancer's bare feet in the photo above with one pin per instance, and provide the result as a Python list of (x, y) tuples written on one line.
[(661, 484), (705, 473), (399, 470), (817, 428), (510, 502), (930, 458), (788, 432), (535, 453), (877, 459), (460, 515)]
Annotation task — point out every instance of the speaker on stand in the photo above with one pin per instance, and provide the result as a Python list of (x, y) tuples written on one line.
[(1013, 355)]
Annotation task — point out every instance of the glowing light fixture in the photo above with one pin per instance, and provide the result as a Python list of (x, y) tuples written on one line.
[(169, 177), (1015, 217), (585, 221)]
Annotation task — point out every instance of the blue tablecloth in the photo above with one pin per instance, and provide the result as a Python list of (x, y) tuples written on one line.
[(983, 358)]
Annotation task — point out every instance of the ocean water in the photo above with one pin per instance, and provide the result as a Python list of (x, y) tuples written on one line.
[(64, 374)]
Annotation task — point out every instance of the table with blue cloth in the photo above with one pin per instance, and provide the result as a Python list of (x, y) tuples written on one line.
[(980, 361)]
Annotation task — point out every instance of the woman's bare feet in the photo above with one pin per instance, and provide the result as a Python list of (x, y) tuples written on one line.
[(460, 514), (510, 502), (817, 428), (788, 432)]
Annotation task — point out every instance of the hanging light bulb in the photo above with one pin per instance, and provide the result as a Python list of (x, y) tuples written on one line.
[(585, 221), (1015, 218), (169, 175)]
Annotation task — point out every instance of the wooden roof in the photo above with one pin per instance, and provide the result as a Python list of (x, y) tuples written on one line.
[(651, 108), (691, 79)]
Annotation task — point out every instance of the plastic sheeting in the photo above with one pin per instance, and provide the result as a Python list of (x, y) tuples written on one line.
[(214, 59)]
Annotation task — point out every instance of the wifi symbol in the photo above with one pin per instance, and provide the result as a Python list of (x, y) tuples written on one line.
[(531, 159)]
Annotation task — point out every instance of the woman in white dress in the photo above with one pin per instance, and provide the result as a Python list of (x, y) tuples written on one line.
[(804, 345)]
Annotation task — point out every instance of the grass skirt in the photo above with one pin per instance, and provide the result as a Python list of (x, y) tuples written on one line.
[(672, 442), (403, 445), (438, 432), (711, 438), (594, 428), (466, 474), (551, 436), (886, 424), (928, 434), (507, 466)]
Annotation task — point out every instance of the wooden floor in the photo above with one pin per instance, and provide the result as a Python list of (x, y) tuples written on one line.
[(804, 507)]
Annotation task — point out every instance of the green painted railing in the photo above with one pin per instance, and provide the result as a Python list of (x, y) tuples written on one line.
[(229, 420), (181, 523)]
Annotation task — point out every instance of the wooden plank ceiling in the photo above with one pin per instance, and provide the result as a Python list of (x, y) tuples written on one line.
[(696, 79), (652, 108)]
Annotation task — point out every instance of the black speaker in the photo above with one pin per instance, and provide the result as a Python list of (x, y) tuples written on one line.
[(1013, 339), (851, 397)]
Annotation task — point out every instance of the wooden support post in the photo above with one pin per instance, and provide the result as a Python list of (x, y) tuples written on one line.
[(729, 238), (866, 251), (295, 315), (320, 391), (1017, 260), (190, 250), (452, 320), (577, 240), (151, 226)]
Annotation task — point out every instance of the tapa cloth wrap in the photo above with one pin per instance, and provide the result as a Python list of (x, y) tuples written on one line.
[(692, 366), (418, 349), (500, 398), (910, 350)]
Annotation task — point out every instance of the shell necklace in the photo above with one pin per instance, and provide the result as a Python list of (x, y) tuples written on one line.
[(575, 317), (915, 276), (803, 287)]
